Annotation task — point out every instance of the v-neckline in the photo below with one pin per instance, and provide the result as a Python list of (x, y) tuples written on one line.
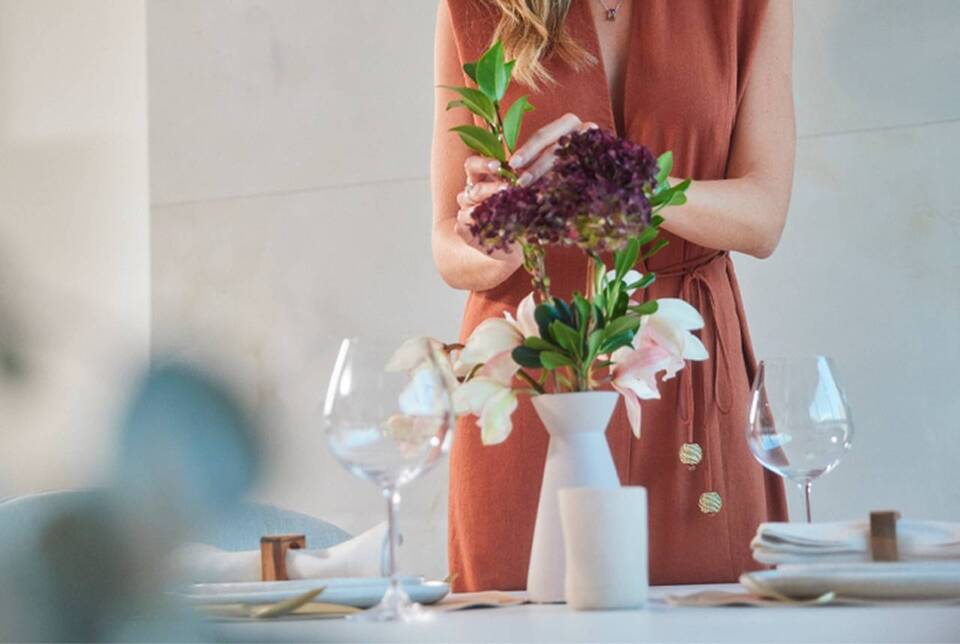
[(601, 67)]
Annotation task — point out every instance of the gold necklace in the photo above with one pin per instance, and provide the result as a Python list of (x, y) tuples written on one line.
[(611, 13)]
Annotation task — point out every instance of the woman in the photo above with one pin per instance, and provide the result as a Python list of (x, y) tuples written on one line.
[(710, 81)]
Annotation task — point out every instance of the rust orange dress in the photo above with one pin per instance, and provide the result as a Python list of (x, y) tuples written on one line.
[(688, 65)]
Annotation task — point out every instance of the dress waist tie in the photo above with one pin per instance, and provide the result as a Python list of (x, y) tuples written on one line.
[(694, 282)]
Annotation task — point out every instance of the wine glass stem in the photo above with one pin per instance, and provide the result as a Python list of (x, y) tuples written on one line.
[(393, 500), (805, 489)]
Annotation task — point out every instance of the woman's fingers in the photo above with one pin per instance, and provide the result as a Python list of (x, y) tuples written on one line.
[(543, 138), (462, 227), (479, 192), (480, 168), (544, 162)]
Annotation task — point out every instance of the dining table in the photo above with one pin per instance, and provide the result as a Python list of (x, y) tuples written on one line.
[(657, 621)]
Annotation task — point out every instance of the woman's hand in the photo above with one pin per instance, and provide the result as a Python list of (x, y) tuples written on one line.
[(536, 156), (483, 180)]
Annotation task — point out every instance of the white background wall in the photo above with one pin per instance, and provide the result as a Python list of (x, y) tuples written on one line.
[(285, 134), (74, 226)]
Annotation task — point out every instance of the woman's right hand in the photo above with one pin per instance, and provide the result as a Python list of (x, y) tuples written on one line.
[(482, 181)]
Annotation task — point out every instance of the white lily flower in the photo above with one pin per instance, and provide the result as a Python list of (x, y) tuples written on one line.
[(498, 335), (635, 377), (663, 343), (526, 321), (670, 328), (490, 396), (413, 355), (412, 352)]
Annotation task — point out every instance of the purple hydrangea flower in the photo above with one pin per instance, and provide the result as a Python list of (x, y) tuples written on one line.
[(595, 197)]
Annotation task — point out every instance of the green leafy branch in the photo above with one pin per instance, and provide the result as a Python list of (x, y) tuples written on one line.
[(498, 139)]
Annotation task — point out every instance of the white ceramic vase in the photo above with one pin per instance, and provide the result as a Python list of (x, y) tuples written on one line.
[(578, 456)]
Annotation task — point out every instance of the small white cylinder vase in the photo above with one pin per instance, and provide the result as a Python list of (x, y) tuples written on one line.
[(605, 536), (578, 456)]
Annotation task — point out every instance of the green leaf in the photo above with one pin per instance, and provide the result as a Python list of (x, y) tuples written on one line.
[(598, 314), (656, 248), (566, 337), (526, 357), (544, 314), (565, 312), (593, 342), (620, 307), (583, 312), (539, 344), (600, 273), (646, 308), (480, 140), (513, 120), (646, 280), (648, 235), (665, 162), (626, 258), (621, 325), (616, 342), (492, 72), (671, 196), (554, 360), (655, 221), (470, 69), (475, 101)]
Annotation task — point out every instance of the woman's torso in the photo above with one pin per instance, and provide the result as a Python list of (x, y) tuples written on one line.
[(684, 73)]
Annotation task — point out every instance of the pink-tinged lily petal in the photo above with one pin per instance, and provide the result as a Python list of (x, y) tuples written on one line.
[(526, 321), (679, 312), (670, 328), (636, 369), (632, 402), (495, 419), (635, 377), (411, 353), (471, 396), (491, 337), (414, 354), (500, 368)]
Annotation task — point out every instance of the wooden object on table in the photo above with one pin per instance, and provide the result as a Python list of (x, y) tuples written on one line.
[(883, 536), (273, 554)]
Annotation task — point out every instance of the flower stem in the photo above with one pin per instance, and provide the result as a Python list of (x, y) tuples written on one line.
[(534, 261), (531, 381)]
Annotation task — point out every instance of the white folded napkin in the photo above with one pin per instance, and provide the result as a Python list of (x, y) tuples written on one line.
[(357, 557), (849, 541)]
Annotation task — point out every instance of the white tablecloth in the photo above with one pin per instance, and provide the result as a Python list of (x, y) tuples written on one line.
[(658, 622)]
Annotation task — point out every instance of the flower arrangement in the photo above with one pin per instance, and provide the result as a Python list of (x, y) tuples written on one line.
[(603, 195)]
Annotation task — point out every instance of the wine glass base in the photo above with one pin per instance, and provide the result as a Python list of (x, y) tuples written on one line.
[(394, 607)]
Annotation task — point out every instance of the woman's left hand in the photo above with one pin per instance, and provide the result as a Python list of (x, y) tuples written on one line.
[(535, 157)]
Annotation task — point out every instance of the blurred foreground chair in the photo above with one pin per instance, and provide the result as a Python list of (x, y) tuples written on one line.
[(23, 518)]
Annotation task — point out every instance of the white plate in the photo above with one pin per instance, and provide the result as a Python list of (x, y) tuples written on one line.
[(871, 580), (361, 592)]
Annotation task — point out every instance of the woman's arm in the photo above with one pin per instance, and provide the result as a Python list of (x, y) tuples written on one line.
[(746, 212), (460, 265)]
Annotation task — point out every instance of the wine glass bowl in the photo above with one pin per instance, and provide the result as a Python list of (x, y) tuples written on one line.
[(388, 419), (799, 424)]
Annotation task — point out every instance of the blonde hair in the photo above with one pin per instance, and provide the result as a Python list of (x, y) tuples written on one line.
[(531, 30)]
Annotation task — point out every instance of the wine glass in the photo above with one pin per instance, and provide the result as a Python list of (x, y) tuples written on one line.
[(799, 424), (388, 419)]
